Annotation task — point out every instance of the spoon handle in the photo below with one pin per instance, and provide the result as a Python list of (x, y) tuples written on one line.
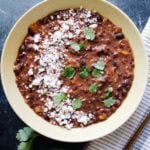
[(137, 133)]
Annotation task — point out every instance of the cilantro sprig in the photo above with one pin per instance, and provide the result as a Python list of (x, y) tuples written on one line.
[(108, 91), (97, 72), (60, 97), (69, 72), (27, 141), (89, 34), (26, 137), (93, 88), (109, 102), (76, 103), (77, 46), (100, 65), (84, 72)]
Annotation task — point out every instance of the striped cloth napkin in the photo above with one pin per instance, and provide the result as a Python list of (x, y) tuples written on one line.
[(119, 138)]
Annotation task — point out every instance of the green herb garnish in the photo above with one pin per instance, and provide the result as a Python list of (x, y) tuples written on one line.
[(108, 91), (76, 103), (93, 88), (24, 134), (84, 72), (89, 34), (77, 46), (97, 73), (59, 97), (26, 137), (100, 65), (69, 72), (25, 146), (109, 102)]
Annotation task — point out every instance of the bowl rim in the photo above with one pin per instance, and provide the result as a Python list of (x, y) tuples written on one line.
[(97, 136)]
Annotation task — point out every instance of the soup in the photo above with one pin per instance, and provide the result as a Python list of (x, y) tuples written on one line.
[(74, 67)]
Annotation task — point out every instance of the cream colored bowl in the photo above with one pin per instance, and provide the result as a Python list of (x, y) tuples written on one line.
[(98, 130)]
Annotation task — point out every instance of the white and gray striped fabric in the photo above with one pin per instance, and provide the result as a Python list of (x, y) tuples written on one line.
[(119, 138)]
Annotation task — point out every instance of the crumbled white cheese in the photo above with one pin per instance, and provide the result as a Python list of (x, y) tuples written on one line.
[(65, 26), (36, 81), (52, 17), (69, 126), (93, 25), (89, 14), (58, 17), (56, 28), (57, 36), (41, 70), (51, 64), (36, 38), (70, 35), (33, 46), (45, 109), (82, 117), (30, 72)]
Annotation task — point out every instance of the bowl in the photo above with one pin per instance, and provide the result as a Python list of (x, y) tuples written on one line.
[(94, 131)]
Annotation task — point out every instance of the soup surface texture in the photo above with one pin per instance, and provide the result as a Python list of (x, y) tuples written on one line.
[(74, 67)]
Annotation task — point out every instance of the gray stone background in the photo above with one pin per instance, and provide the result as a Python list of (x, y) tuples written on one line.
[(10, 11)]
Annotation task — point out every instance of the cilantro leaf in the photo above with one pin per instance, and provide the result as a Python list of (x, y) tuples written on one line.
[(109, 102), (100, 65), (76, 103), (69, 72), (25, 146), (77, 46), (59, 97), (93, 88), (84, 72), (108, 91), (97, 73), (89, 34), (24, 134)]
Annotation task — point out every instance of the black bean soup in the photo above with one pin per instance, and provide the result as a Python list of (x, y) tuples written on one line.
[(74, 67)]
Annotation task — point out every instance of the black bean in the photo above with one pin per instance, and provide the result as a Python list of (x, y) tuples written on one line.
[(17, 61), (116, 94), (115, 54), (82, 61), (45, 20), (21, 48), (30, 78), (98, 107), (30, 32), (126, 82), (21, 55), (17, 68), (124, 91), (115, 64), (113, 109), (119, 36), (100, 53), (118, 102), (99, 18), (102, 110)]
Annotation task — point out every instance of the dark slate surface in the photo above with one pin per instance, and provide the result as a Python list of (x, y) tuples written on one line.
[(10, 11)]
